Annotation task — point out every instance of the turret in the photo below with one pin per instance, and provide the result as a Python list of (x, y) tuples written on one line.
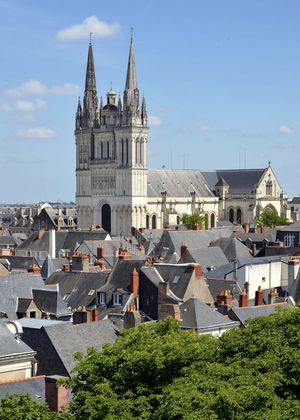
[(79, 115)]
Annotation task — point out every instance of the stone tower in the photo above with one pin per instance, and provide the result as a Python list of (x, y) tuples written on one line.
[(111, 155)]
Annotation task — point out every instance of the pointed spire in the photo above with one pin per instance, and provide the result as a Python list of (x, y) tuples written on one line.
[(131, 80), (90, 78), (79, 109), (90, 100)]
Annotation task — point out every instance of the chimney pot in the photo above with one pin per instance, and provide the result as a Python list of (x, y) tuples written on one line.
[(259, 297)]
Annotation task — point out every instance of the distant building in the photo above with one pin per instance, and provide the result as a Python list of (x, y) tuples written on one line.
[(115, 188)]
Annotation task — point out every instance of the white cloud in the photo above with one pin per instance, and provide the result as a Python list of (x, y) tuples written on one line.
[(30, 106), (35, 87), (285, 129), (98, 28), (5, 108), (36, 133), (154, 120)]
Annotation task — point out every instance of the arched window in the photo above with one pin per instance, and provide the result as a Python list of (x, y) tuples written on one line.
[(269, 187), (147, 221), (154, 221), (107, 149), (212, 220), (127, 157), (122, 151), (106, 217), (178, 220), (231, 215), (101, 150), (239, 215), (206, 221)]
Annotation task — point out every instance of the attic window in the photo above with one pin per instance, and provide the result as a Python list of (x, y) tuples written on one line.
[(117, 299), (101, 298), (91, 292), (176, 279)]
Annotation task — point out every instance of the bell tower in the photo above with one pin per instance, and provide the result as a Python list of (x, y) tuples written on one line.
[(111, 145)]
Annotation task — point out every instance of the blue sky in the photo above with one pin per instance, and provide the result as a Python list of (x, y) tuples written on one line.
[(221, 79)]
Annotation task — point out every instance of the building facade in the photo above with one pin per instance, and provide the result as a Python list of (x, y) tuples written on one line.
[(116, 190)]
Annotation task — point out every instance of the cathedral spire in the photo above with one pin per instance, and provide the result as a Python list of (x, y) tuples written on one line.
[(90, 78), (131, 80), (90, 100)]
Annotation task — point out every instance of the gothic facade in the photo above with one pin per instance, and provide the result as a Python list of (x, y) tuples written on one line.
[(116, 190)]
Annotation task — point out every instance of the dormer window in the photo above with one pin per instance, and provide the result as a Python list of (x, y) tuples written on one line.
[(117, 299), (101, 298)]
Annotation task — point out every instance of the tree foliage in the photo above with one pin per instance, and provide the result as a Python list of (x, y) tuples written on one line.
[(270, 218), (191, 220), (158, 371)]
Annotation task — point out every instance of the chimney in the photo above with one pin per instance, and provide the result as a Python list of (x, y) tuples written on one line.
[(66, 268), (272, 296), (81, 262), (142, 249), (34, 269), (259, 297), (100, 252), (254, 250), (56, 396), (5, 252), (183, 248), (262, 229), (52, 245), (135, 284), (132, 317), (198, 270), (243, 299), (247, 227), (124, 254), (197, 226), (163, 289), (224, 301), (293, 272)]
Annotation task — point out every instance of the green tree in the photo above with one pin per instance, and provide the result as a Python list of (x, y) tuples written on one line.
[(23, 407), (191, 220), (270, 218), (158, 371)]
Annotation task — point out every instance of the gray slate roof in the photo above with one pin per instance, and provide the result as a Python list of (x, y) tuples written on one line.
[(197, 315), (293, 227), (232, 248), (240, 181), (242, 314), (19, 263), (9, 345), (51, 265), (177, 183), (64, 240), (34, 386), (67, 338), (171, 241), (81, 287), (14, 286), (50, 301), (206, 257)]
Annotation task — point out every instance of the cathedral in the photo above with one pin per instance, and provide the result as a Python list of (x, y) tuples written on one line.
[(116, 190)]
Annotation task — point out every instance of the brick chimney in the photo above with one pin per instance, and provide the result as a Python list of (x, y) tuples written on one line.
[(5, 252), (134, 283), (198, 270), (183, 249), (262, 229), (272, 296), (81, 262), (84, 316), (56, 396), (163, 289), (34, 269), (259, 297), (224, 301), (247, 227), (197, 226), (254, 250), (124, 254), (132, 317), (243, 299), (100, 252), (66, 268)]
